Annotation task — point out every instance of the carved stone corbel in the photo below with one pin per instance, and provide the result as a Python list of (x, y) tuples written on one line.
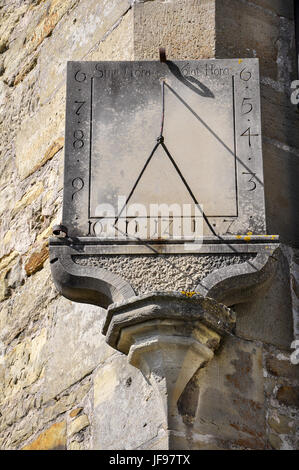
[(168, 337), (239, 283), (86, 284)]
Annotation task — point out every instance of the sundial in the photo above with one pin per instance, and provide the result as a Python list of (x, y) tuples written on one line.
[(163, 152)]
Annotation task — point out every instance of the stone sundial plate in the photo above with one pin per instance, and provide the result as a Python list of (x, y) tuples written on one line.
[(211, 155)]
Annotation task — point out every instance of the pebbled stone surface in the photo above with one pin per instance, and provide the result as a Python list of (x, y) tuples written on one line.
[(162, 273)]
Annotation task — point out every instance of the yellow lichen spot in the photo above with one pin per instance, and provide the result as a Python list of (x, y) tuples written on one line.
[(188, 293), (247, 238), (240, 60)]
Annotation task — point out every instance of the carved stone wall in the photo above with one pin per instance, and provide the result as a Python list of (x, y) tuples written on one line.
[(61, 385)]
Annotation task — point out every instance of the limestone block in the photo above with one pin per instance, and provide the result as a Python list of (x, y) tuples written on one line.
[(268, 317), (278, 7), (24, 363), (6, 260), (118, 44), (228, 396), (37, 23), (53, 438), (4, 96), (29, 303), (93, 19), (66, 401), (77, 425), (76, 346), (256, 31), (288, 396), (7, 199), (36, 261), (75, 412), (7, 263), (282, 368), (185, 27), (9, 18), (40, 136), (75, 446), (282, 424), (126, 411), (28, 197), (275, 441), (30, 63), (281, 191), (280, 118)]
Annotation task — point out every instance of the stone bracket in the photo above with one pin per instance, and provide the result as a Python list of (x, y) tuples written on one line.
[(89, 285), (98, 286), (239, 283), (168, 337)]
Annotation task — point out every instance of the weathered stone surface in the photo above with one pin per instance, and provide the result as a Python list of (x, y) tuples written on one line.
[(36, 23), (155, 307), (29, 304), (93, 20), (35, 145), (53, 438), (228, 401), (127, 413), (7, 199), (278, 7), (36, 261), (257, 34), (76, 446), (78, 326), (184, 27), (109, 47), (25, 363), (270, 307), (9, 278), (167, 273), (281, 189), (275, 441), (75, 412), (28, 198), (77, 425), (30, 63), (288, 396), (65, 401), (282, 424), (282, 368), (279, 117)]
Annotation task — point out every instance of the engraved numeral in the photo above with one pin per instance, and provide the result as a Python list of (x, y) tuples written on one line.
[(78, 185), (90, 228), (248, 133), (80, 76), (251, 180), (80, 103), (226, 225), (78, 142), (246, 104), (245, 75)]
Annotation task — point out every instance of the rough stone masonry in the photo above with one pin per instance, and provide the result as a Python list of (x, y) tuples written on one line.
[(62, 386)]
